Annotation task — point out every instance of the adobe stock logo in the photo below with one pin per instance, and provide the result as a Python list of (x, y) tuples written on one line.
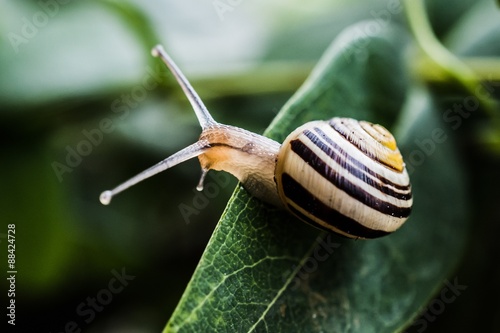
[(448, 295), (121, 107), (31, 26), (201, 199), (325, 247), (87, 311), (362, 31), (222, 7), (454, 116)]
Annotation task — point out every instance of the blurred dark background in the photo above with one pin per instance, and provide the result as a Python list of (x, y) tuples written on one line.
[(84, 106)]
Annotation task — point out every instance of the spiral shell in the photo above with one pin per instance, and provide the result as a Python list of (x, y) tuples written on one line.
[(345, 176)]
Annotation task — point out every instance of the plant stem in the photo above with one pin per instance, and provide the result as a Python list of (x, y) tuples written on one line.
[(444, 64)]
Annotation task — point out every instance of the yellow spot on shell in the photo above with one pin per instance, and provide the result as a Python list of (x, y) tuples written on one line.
[(391, 156), (395, 160), (380, 133)]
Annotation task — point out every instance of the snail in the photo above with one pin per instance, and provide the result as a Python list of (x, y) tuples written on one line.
[(341, 175)]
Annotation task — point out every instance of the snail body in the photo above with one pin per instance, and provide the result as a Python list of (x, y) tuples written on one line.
[(341, 175)]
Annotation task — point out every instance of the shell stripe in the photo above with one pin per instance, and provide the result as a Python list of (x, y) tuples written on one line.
[(344, 128), (357, 168), (326, 171), (396, 180), (335, 220)]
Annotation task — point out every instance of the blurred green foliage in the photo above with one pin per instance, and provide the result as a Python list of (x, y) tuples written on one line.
[(83, 106)]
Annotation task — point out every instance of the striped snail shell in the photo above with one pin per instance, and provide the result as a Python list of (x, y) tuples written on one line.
[(345, 176), (341, 175)]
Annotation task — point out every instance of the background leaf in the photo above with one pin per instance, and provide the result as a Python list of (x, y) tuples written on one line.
[(264, 271)]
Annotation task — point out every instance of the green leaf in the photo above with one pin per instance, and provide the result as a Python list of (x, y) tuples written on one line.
[(265, 271)]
